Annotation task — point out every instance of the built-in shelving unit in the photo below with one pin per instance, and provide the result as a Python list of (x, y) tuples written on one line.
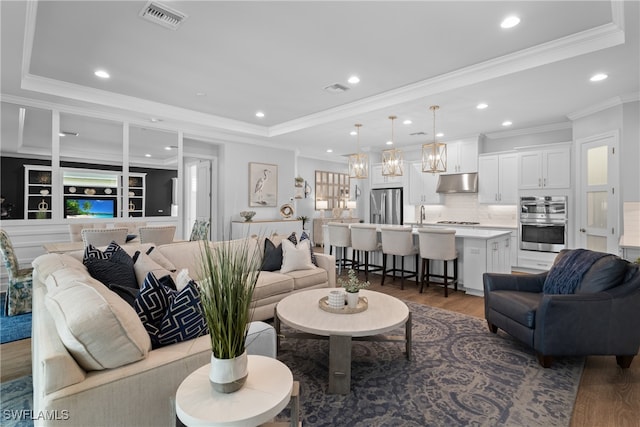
[(37, 192)]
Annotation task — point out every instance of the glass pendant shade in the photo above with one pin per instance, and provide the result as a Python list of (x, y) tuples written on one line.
[(392, 159), (358, 162), (434, 154)]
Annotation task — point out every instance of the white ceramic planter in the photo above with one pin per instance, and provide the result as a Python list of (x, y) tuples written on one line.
[(228, 375), (352, 299)]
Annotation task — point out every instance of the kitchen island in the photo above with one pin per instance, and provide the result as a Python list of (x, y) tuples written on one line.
[(479, 251)]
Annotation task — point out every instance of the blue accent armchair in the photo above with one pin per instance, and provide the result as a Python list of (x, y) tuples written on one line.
[(601, 317)]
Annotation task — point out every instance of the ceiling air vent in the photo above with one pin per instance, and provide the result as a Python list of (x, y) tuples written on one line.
[(162, 15), (417, 134), (336, 88)]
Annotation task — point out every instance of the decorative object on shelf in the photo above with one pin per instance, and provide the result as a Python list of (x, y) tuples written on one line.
[(434, 155), (247, 215), (392, 164), (263, 184), (132, 206), (352, 285), (107, 191), (304, 220), (337, 212), (72, 189), (358, 162), (131, 194), (351, 205), (286, 211), (43, 205), (226, 290), (44, 178), (322, 206), (89, 191), (299, 181), (44, 192)]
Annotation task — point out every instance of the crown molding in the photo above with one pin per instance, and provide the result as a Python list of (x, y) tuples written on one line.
[(604, 36), (528, 131), (604, 105)]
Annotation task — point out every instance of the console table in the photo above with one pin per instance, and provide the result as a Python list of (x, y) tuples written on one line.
[(240, 229)]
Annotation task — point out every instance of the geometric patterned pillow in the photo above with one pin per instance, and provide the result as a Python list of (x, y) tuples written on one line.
[(305, 236), (92, 252), (169, 316)]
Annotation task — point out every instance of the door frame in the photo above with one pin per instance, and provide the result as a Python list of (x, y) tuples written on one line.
[(613, 182)]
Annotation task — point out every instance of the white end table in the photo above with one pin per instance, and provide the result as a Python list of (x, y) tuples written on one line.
[(266, 392)]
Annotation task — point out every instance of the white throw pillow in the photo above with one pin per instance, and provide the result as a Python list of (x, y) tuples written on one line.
[(296, 257), (99, 328), (145, 264)]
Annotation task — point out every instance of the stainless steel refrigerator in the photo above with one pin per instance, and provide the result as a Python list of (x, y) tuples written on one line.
[(386, 206)]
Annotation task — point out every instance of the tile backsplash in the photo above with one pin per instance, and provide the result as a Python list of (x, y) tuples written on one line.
[(465, 207)]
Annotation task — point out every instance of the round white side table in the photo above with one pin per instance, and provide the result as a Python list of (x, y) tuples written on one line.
[(266, 392)]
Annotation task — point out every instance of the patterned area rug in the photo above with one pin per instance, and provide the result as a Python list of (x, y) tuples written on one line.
[(460, 375), (13, 328), (16, 402)]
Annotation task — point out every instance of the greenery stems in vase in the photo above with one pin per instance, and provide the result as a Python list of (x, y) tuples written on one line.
[(231, 269), (352, 284)]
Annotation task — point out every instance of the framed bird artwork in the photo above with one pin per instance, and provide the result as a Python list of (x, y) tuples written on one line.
[(263, 184)]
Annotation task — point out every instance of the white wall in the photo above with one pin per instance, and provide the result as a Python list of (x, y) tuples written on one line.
[(494, 145), (630, 152)]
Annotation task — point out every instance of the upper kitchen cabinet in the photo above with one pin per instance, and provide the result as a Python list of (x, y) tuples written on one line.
[(496, 183), (378, 180), (422, 186), (462, 156), (545, 167)]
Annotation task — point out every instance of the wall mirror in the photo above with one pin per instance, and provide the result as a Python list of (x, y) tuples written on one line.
[(332, 187), (26, 140)]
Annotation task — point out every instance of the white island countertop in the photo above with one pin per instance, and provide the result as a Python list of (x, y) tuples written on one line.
[(472, 232)]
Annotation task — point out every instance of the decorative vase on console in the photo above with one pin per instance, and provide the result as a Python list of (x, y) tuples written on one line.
[(230, 275), (352, 287)]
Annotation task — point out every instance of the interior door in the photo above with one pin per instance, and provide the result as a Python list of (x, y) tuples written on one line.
[(598, 201)]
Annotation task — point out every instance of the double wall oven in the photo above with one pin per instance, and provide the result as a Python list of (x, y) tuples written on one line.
[(543, 223)]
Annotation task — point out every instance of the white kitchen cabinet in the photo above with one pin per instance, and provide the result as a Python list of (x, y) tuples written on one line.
[(544, 168), (422, 186), (379, 180), (497, 184), (462, 156), (484, 255)]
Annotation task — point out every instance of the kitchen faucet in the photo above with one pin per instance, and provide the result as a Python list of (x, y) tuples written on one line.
[(423, 214)]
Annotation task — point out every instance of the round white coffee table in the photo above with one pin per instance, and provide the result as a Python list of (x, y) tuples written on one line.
[(302, 312), (266, 392)]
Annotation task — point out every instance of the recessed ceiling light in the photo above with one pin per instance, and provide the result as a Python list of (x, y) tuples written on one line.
[(389, 142), (598, 77), (102, 74), (439, 134), (260, 114), (168, 148), (482, 106), (67, 133), (147, 155), (201, 94), (154, 120), (510, 21), (354, 80), (353, 133), (329, 150), (407, 122), (507, 123)]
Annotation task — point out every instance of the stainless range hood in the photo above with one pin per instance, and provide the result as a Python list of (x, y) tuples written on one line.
[(458, 183)]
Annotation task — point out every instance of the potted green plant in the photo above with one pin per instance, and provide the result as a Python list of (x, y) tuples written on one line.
[(352, 286), (230, 271), (304, 220), (299, 181)]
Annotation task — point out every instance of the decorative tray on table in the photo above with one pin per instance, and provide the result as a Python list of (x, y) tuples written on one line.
[(363, 304)]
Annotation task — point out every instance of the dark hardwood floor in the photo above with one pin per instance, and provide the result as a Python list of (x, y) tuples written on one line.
[(607, 397)]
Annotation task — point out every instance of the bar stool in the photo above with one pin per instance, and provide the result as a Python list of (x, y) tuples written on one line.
[(398, 241), (364, 238), (340, 237), (438, 244)]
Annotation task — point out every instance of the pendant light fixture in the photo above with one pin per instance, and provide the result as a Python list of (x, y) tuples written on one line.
[(358, 162), (434, 155), (392, 159)]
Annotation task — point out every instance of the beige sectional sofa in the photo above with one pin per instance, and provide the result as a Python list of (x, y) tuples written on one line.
[(100, 370)]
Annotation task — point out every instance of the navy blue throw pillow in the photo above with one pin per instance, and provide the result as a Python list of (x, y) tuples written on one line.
[(170, 316), (272, 259), (114, 265), (305, 236)]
